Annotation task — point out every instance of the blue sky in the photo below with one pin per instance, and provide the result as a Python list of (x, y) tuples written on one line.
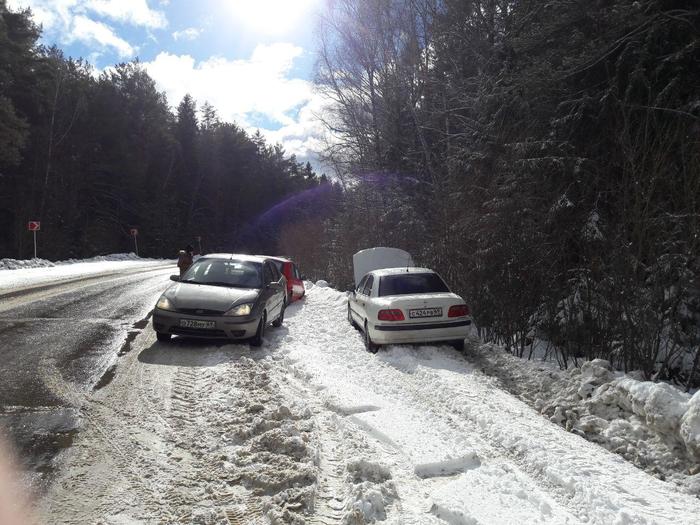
[(252, 59)]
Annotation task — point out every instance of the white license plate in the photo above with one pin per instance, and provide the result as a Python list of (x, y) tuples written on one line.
[(190, 323), (425, 312)]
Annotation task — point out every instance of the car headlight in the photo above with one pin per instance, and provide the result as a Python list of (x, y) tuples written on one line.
[(241, 309), (165, 304)]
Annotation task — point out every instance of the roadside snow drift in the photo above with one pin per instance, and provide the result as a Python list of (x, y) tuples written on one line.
[(653, 425), (17, 274)]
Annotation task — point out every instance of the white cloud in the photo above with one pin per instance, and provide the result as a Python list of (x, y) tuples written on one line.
[(191, 33), (134, 12), (90, 32), (305, 136), (69, 20), (56, 13), (237, 88), (51, 14), (247, 91)]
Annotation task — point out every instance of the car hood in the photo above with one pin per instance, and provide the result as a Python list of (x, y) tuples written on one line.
[(207, 297)]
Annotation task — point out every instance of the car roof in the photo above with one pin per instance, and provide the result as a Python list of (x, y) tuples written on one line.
[(398, 271), (236, 256), (277, 258)]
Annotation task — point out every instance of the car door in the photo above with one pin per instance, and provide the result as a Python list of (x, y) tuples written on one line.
[(274, 290), (297, 282), (353, 302), (363, 296)]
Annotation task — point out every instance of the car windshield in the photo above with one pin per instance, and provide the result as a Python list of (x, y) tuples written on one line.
[(411, 283), (225, 272)]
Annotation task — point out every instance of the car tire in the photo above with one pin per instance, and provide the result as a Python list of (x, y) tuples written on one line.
[(370, 345), (458, 345), (257, 339), (163, 337), (278, 322)]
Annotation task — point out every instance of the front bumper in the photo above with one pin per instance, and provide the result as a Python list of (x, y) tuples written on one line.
[(419, 333), (225, 327)]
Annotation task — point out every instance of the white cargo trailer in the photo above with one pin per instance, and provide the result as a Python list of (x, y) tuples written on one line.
[(379, 258)]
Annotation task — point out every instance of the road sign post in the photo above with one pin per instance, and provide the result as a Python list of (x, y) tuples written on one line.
[(34, 226), (134, 233)]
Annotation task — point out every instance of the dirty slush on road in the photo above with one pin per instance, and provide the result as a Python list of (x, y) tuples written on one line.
[(190, 435)]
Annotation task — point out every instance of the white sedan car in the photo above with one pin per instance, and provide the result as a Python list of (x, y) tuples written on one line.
[(407, 305)]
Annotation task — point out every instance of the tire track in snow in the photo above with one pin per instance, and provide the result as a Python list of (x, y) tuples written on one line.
[(331, 492), (187, 433)]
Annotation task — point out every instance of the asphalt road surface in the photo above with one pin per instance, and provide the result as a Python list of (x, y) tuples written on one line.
[(58, 343)]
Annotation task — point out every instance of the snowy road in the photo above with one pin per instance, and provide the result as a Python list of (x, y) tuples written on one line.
[(312, 429), (61, 329)]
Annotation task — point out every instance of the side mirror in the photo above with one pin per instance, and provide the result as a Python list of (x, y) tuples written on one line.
[(175, 278)]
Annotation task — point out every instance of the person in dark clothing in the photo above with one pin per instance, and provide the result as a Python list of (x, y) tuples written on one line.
[(185, 259)]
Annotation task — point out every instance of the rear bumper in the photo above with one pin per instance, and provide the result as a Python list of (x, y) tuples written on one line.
[(225, 327), (419, 333)]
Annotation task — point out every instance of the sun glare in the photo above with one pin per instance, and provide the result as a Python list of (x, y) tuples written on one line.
[(271, 17)]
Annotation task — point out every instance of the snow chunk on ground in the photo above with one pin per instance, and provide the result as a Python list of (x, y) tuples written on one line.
[(495, 494), (322, 284), (371, 493)]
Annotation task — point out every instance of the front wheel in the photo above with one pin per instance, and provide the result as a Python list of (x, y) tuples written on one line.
[(257, 339), (370, 345), (162, 337)]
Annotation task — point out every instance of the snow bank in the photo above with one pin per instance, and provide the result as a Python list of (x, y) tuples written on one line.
[(24, 274), (662, 407), (690, 426), (18, 264), (654, 425)]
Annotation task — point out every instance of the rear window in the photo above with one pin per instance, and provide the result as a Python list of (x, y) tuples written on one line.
[(411, 283)]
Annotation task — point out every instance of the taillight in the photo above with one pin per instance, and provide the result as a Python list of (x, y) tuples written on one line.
[(390, 315), (459, 310)]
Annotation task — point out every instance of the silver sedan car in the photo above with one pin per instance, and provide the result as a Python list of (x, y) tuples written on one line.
[(225, 296)]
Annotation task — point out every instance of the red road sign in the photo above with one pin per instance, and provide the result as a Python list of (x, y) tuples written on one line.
[(34, 226), (134, 232)]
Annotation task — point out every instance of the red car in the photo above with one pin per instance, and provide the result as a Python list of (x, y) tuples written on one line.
[(295, 283)]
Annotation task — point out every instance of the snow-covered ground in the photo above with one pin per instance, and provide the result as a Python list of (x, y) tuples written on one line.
[(16, 274), (313, 429)]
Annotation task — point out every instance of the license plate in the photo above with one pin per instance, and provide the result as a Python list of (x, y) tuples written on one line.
[(191, 323), (425, 312)]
